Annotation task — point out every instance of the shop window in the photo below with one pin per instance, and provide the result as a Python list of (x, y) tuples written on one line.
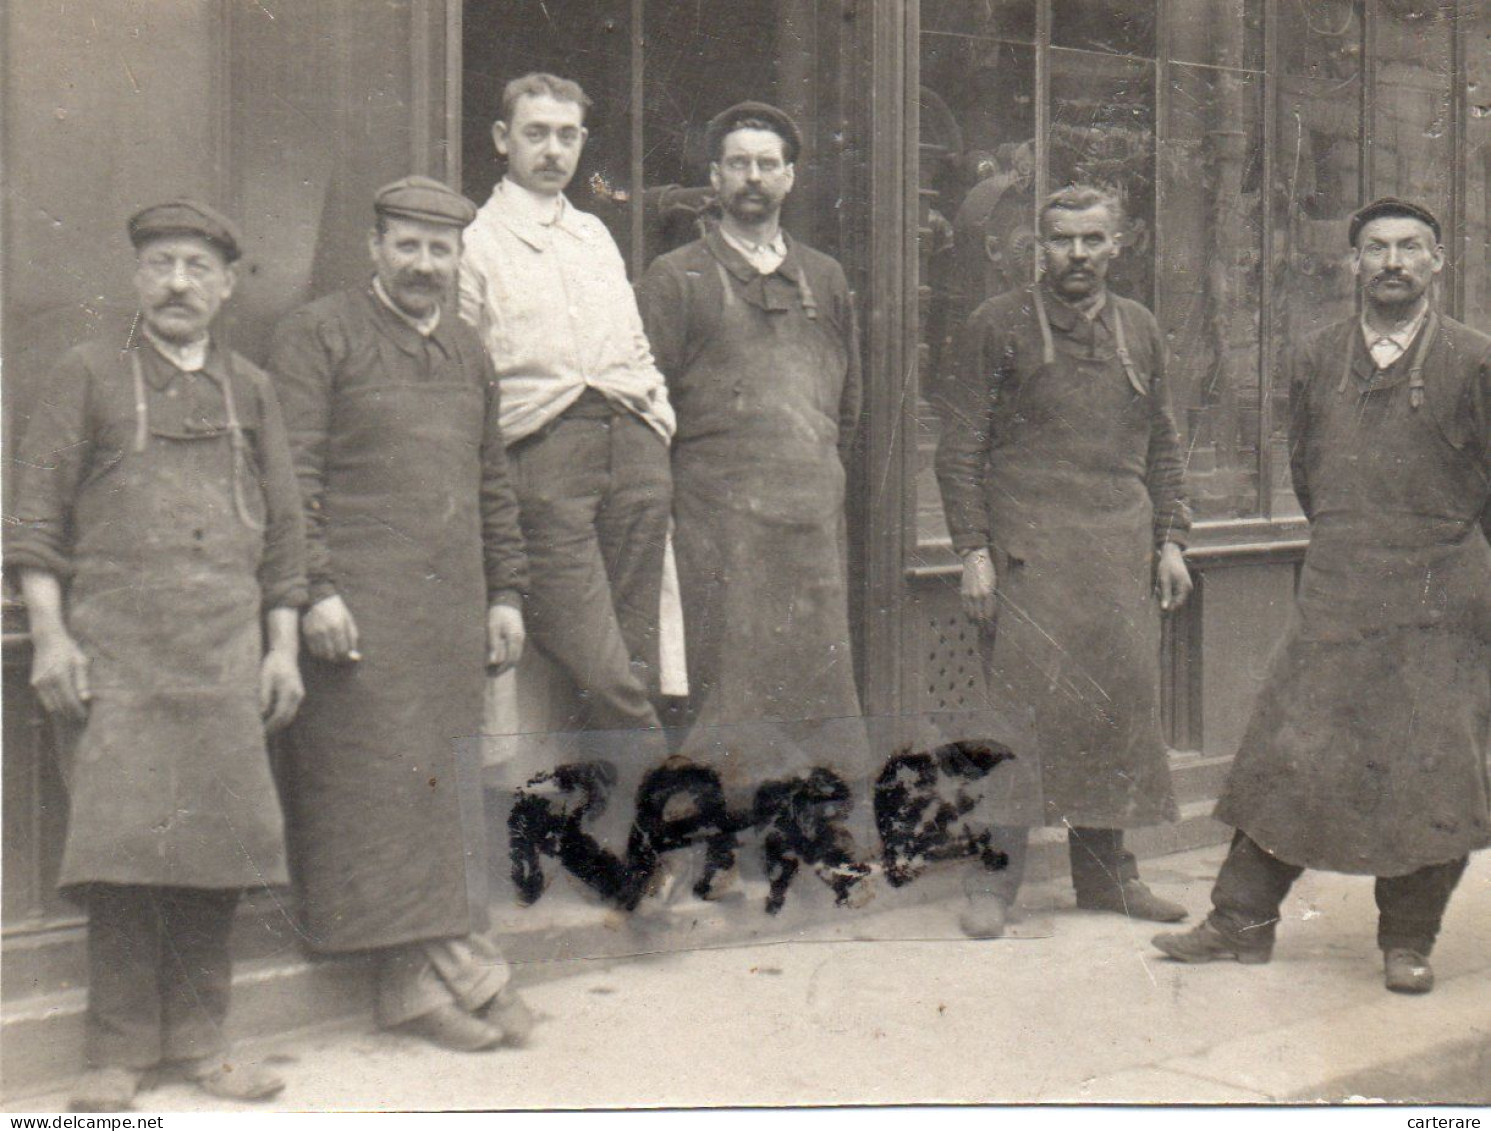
[(1474, 251)]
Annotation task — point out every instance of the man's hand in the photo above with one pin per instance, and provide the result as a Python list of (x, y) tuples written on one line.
[(1172, 578), (59, 673), (505, 637), (329, 630), (978, 586), (280, 688)]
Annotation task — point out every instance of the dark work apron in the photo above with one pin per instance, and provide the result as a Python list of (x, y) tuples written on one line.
[(382, 787), (1366, 750), (169, 782), (1078, 631), (759, 513)]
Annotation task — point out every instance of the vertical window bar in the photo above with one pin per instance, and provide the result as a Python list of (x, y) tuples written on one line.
[(1368, 106), (1460, 15), (637, 198), (1268, 352), (1042, 117), (453, 75), (1164, 35), (422, 94)]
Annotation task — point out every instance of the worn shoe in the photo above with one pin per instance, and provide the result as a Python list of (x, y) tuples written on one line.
[(110, 1088), (243, 1081), (985, 917), (510, 1015), (1205, 943), (451, 1027), (1134, 899), (1407, 971)]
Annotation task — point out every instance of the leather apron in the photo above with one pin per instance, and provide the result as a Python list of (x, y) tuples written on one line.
[(169, 781), (1366, 749), (759, 535), (1078, 628), (383, 792)]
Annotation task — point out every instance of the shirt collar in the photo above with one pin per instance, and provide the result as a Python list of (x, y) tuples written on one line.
[(424, 327), (1387, 348), (534, 207), (1064, 316), (766, 257), (189, 358)]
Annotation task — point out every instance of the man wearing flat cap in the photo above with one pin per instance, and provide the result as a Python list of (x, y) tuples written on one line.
[(755, 332), (158, 539), (416, 568), (1366, 752), (585, 415)]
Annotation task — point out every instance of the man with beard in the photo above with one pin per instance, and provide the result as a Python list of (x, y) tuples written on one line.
[(1063, 485), (756, 335), (158, 538), (1366, 752), (584, 412), (416, 569)]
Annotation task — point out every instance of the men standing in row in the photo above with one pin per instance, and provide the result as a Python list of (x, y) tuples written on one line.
[(1366, 752), (584, 412), (416, 574), (755, 333), (158, 495), (1063, 486)]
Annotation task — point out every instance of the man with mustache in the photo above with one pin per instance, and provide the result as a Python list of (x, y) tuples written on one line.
[(1063, 486), (585, 415), (416, 570), (158, 538), (1366, 751), (755, 332)]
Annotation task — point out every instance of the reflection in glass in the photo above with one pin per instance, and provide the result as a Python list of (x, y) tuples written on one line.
[(1118, 27), (1412, 153), (1217, 33), (1012, 20), (1211, 254), (1102, 133), (975, 205)]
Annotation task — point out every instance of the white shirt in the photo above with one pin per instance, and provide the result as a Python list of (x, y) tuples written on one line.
[(1388, 348), (546, 288), (189, 358), (423, 326), (764, 257)]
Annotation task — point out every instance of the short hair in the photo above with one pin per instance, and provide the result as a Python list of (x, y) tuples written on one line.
[(747, 124), (1079, 198), (539, 84)]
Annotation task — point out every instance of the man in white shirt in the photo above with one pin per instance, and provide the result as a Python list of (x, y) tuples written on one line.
[(585, 413)]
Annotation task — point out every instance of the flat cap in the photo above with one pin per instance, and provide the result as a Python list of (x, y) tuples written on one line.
[(426, 199), (775, 120), (1390, 206), (185, 218)]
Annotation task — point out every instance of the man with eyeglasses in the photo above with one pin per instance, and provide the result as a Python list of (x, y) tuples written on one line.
[(158, 538), (755, 332)]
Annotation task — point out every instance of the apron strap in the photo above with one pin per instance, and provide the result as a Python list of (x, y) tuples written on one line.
[(1122, 349), (1416, 372), (805, 293), (1048, 347), (237, 443), (142, 409), (1416, 367)]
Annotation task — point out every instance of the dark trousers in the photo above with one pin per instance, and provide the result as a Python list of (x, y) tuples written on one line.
[(159, 973), (1098, 858), (1252, 885), (594, 495)]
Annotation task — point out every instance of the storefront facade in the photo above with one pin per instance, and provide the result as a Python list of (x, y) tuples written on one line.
[(1240, 134)]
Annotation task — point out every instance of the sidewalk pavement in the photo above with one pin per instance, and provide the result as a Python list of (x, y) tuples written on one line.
[(1090, 1014)]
